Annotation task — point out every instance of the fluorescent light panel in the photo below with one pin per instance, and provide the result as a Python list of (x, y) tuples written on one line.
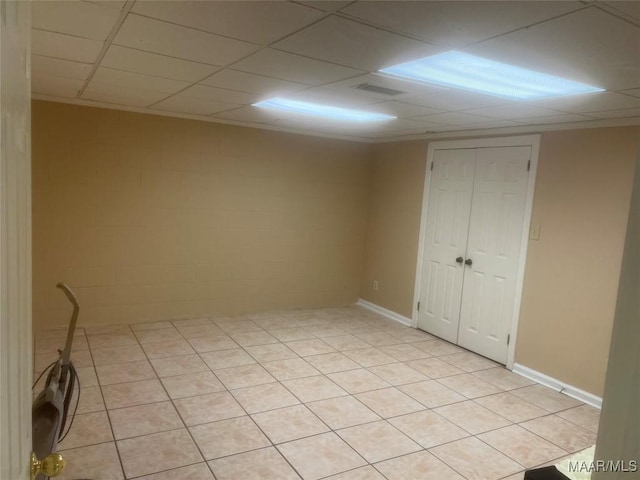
[(469, 72), (319, 110)]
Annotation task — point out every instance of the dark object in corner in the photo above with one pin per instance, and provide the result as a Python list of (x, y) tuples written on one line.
[(544, 473)]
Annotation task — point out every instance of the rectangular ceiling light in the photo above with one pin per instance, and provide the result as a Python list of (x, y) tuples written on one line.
[(324, 111), (477, 74)]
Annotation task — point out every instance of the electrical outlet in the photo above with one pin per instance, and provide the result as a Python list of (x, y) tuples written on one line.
[(375, 284), (534, 233)]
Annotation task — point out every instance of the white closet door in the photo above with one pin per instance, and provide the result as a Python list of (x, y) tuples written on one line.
[(495, 232), (447, 229)]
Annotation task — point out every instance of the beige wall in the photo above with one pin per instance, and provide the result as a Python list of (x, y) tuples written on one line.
[(581, 201), (151, 217)]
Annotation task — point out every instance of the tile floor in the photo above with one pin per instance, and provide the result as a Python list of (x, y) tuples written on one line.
[(337, 393)]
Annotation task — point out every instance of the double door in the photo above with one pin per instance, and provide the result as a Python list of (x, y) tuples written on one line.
[(472, 246)]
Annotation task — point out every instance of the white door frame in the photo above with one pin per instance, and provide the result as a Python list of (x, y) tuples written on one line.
[(532, 141)]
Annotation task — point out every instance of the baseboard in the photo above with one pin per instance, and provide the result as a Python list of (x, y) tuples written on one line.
[(557, 385), (383, 311)]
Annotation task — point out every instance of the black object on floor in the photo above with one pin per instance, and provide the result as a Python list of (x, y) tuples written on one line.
[(544, 473)]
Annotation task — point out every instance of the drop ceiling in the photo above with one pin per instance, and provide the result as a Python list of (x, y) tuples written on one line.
[(211, 60)]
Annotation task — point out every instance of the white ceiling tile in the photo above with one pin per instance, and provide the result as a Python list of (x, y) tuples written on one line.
[(137, 61), (405, 88), (219, 95), (192, 105), (457, 23), (253, 115), (252, 83), (630, 8), (623, 113), (115, 4), (491, 123), (56, 86), (60, 68), (327, 5), (335, 97), (561, 118), (160, 37), (51, 44), (591, 102), (588, 46), (345, 42), (80, 19), (404, 110), (515, 110), (119, 78), (635, 92), (294, 68), (454, 118), (253, 21), (450, 99), (132, 97)]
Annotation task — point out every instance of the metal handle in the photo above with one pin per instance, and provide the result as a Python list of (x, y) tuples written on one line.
[(51, 466), (459, 260), (468, 261)]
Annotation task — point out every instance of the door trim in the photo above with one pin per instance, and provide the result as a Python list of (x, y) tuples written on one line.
[(532, 141)]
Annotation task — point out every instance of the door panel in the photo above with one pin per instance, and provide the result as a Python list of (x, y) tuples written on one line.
[(446, 239), (495, 232)]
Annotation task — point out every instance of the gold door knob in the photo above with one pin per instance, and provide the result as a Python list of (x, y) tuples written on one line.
[(51, 466)]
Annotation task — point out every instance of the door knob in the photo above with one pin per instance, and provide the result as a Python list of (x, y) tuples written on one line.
[(51, 466), (459, 260), (468, 261)]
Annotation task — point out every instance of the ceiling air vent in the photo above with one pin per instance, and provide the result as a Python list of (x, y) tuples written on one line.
[(377, 89)]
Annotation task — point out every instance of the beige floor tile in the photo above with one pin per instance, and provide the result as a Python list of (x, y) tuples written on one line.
[(389, 402), (290, 368), (437, 348), (171, 348), (192, 384), (234, 357), (144, 419), (290, 423), (112, 355), (342, 412), (320, 456), (208, 408), (262, 398), (369, 357), (361, 473), (309, 389), (472, 417), (87, 429), (124, 372), (157, 452), (546, 398), (137, 327), (431, 393), (159, 335), (476, 460), (270, 352), (522, 446), (248, 339), (357, 381), (511, 407), (315, 346), (417, 466), (80, 358), (86, 462), (228, 437), (244, 376), (404, 352), (332, 362), (584, 416), (346, 342), (434, 367), (378, 339), (111, 340), (469, 386), (469, 362), (503, 378), (90, 400), (203, 330), (291, 333), (237, 325), (397, 373), (212, 343), (378, 441), (561, 432), (133, 393), (272, 323), (428, 428), (199, 471), (110, 329), (412, 335), (180, 365), (263, 464), (325, 331), (190, 322)]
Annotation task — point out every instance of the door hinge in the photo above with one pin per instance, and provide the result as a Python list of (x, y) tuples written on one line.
[(418, 306), (508, 339), (432, 166), (528, 165)]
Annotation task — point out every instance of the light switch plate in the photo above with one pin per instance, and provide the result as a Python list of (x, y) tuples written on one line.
[(534, 232)]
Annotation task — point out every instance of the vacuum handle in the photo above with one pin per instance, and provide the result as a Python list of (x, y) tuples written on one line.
[(70, 295), (66, 353)]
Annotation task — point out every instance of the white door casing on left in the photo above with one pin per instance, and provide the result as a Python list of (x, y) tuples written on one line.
[(15, 241)]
